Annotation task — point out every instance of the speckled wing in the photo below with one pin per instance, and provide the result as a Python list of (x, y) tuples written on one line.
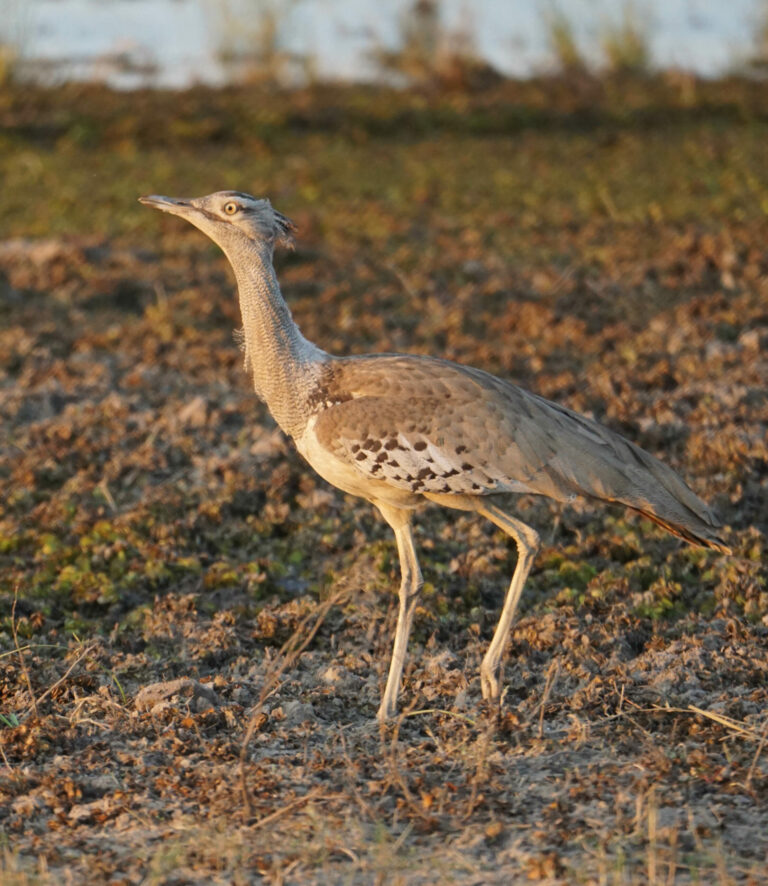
[(431, 426), (428, 425)]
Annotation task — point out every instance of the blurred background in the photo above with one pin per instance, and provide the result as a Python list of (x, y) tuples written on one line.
[(179, 43)]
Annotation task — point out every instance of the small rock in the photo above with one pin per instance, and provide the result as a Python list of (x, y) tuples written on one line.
[(157, 696), (297, 712), (97, 785), (242, 695), (26, 805), (750, 340), (315, 500), (333, 674), (475, 270), (82, 812), (195, 413), (268, 444)]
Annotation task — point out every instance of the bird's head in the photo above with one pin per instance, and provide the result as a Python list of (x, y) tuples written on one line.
[(229, 216)]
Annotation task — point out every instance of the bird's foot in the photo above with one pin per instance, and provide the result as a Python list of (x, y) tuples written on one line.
[(386, 712), (490, 682)]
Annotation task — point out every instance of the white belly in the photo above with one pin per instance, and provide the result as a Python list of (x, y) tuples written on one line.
[(346, 477)]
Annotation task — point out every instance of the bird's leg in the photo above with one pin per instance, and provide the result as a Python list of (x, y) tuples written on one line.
[(410, 584), (527, 541)]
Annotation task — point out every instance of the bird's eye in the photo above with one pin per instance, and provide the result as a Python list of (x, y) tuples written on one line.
[(231, 208)]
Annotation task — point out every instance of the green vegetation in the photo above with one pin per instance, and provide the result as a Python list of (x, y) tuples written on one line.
[(641, 152), (626, 42), (568, 56)]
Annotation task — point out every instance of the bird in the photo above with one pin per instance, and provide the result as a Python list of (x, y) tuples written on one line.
[(403, 430)]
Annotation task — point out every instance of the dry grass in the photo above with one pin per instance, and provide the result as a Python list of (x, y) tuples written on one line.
[(626, 41)]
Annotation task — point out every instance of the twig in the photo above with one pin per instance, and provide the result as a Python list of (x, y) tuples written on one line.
[(288, 654), (104, 490), (480, 773), (349, 853), (651, 848), (395, 777), (725, 721), (27, 646), (351, 784), (22, 662), (66, 673), (552, 673), (398, 844), (438, 744), (92, 722), (760, 746), (562, 280), (447, 713), (289, 807), (5, 759), (88, 699), (642, 729), (728, 722)]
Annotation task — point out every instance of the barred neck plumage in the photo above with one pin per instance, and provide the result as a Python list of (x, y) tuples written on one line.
[(283, 364)]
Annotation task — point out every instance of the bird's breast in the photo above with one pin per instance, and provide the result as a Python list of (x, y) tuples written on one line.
[(345, 476)]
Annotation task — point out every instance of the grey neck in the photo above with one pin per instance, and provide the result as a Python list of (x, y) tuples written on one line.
[(284, 365)]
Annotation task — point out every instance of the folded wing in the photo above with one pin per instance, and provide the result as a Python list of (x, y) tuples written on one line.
[(431, 426)]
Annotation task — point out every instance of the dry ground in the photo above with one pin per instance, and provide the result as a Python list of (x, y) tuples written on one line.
[(607, 250)]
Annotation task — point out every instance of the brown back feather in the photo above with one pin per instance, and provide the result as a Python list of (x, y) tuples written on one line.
[(460, 430)]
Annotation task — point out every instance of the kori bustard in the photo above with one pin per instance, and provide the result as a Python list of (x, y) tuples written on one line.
[(398, 430)]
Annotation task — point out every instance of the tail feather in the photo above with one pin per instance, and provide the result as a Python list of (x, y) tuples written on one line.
[(669, 501), (706, 540), (620, 471), (545, 448)]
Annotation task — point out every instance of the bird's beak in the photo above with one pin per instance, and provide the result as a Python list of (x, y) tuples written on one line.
[(167, 204)]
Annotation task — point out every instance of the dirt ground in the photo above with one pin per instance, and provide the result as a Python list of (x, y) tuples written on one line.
[(195, 629)]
